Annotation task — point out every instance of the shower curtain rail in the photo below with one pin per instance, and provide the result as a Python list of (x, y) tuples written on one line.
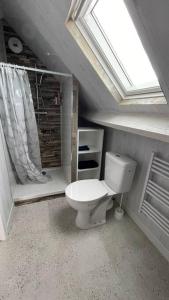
[(35, 70)]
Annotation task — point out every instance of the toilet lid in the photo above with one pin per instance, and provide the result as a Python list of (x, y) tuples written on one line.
[(86, 190)]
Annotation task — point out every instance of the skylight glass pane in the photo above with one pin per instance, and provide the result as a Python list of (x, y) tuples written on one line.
[(118, 27)]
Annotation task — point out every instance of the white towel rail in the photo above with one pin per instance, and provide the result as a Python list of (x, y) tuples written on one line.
[(156, 217), (160, 196)]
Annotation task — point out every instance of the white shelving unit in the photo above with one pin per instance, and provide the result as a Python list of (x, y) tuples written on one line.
[(93, 138)]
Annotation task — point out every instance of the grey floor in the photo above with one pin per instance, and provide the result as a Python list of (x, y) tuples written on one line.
[(47, 258)]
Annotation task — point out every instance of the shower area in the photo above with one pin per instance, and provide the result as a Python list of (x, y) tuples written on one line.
[(36, 107), (38, 140)]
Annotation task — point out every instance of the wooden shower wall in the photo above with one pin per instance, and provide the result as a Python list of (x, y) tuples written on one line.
[(45, 96)]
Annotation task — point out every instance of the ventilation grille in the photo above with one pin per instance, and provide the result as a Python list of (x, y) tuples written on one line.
[(155, 198)]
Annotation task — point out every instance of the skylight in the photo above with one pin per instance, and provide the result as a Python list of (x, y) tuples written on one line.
[(111, 33), (119, 29)]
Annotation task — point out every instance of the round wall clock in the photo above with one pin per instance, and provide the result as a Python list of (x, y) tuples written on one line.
[(15, 45)]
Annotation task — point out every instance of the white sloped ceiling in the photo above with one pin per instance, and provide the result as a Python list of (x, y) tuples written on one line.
[(41, 24)]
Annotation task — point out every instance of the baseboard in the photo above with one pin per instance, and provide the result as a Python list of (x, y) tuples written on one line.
[(2, 231), (9, 222), (38, 199), (163, 250)]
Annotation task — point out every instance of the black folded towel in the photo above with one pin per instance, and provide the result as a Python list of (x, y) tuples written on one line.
[(84, 148), (87, 164)]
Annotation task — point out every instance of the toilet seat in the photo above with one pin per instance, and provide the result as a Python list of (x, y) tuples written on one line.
[(86, 190)]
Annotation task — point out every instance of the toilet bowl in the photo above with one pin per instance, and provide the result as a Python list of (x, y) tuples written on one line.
[(92, 197)]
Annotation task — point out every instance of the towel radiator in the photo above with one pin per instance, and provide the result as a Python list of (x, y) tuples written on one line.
[(153, 190)]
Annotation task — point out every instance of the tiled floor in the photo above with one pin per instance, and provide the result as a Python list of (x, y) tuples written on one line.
[(55, 185), (47, 258)]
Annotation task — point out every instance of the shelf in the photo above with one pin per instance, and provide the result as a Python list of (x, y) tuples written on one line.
[(155, 126), (87, 129), (85, 170), (91, 150), (93, 138)]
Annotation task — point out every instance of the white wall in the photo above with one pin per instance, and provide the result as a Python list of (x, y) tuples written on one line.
[(7, 179), (11, 175), (6, 200), (66, 127), (140, 149)]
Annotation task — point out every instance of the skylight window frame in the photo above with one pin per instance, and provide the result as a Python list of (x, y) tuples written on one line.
[(78, 8), (85, 19)]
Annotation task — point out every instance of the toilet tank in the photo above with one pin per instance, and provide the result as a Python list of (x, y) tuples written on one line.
[(119, 172)]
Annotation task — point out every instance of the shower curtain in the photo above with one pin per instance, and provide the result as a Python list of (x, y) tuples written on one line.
[(19, 124)]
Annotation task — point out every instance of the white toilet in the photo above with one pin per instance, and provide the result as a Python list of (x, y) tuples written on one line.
[(92, 198)]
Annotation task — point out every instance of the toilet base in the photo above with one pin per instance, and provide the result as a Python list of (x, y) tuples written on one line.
[(87, 219), (83, 221)]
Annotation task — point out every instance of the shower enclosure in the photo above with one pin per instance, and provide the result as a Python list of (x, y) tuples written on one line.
[(59, 176)]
